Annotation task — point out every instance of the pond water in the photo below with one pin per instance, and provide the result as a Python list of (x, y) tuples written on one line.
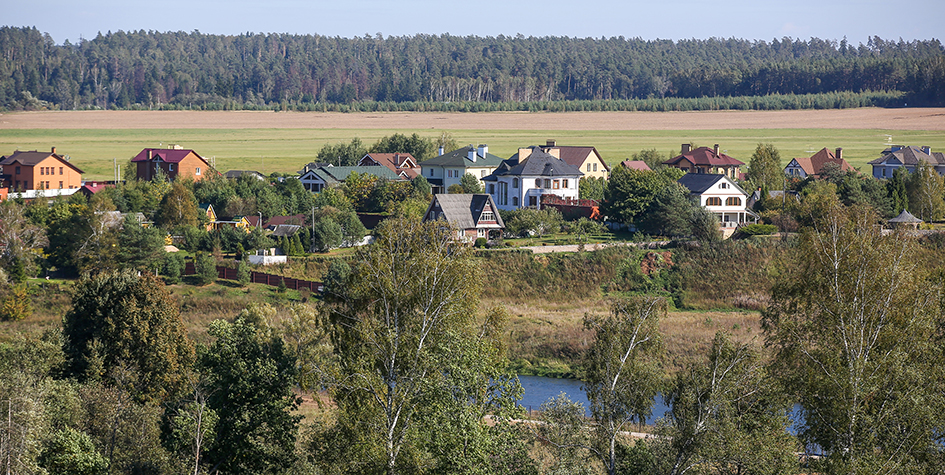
[(539, 389)]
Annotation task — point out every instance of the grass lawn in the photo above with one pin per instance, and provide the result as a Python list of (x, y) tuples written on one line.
[(287, 150)]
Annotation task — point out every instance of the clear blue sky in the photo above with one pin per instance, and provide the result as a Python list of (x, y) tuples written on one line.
[(858, 20)]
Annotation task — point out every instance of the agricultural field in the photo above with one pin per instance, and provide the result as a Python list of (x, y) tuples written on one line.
[(285, 141)]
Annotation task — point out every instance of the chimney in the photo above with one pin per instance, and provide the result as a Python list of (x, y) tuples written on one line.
[(550, 143), (686, 147), (54, 150), (483, 150), (716, 148), (471, 155), (149, 154), (839, 153), (441, 150), (925, 149)]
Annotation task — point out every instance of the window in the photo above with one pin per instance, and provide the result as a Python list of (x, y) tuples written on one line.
[(595, 167), (588, 167), (487, 216), (537, 182), (515, 201), (431, 172), (713, 201), (733, 201), (17, 170), (47, 186), (60, 185), (557, 184), (723, 186), (481, 233), (170, 167), (884, 172), (42, 170), (491, 189), (197, 171), (482, 173), (503, 193), (547, 183), (60, 170), (515, 183), (564, 183)]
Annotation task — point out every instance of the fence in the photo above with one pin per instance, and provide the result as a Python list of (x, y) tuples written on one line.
[(261, 278)]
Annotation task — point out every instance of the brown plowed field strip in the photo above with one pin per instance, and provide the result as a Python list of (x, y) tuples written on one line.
[(868, 118)]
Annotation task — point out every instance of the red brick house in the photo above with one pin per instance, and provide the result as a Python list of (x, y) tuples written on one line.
[(39, 171), (174, 163)]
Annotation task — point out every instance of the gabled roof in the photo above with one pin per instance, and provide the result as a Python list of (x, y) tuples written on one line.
[(285, 230), (168, 155), (32, 158), (284, 220), (699, 183), (463, 210), (575, 155), (539, 163), (234, 174), (636, 165), (814, 164), (705, 157), (93, 187), (459, 158), (401, 163), (910, 156)]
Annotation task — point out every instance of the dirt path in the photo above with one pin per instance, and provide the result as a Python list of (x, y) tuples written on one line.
[(866, 118)]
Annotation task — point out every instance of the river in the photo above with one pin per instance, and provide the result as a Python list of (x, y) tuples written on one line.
[(539, 389)]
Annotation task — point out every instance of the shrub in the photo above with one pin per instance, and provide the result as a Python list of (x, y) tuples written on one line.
[(16, 305), (759, 229), (481, 242)]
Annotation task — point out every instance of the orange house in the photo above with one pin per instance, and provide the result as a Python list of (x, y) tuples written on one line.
[(39, 171), (174, 163)]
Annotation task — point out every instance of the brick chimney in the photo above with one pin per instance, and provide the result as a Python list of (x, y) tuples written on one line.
[(54, 150), (839, 153), (716, 149), (686, 147), (550, 143)]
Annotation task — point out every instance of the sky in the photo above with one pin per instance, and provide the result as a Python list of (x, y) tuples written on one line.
[(857, 20)]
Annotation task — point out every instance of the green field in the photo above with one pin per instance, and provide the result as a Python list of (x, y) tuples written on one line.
[(287, 150)]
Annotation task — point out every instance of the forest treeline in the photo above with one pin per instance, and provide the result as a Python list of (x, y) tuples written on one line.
[(463, 73)]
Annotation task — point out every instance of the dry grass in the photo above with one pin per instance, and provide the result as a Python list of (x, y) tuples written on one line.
[(863, 118)]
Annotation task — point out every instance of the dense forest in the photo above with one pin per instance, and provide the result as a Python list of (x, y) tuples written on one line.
[(425, 72)]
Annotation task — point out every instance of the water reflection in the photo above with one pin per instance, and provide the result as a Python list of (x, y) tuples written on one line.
[(539, 389)]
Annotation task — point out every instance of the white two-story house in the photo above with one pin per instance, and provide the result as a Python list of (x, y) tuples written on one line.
[(518, 183), (720, 195), (447, 169)]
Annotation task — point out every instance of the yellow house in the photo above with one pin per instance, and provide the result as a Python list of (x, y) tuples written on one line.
[(207, 209), (586, 159)]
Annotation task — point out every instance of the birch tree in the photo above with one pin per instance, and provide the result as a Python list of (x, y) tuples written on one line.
[(853, 328)]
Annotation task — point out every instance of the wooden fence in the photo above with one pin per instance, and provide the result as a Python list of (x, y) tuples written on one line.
[(261, 278)]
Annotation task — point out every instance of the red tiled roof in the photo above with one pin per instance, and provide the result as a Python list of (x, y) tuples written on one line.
[(814, 164), (94, 187), (396, 162), (636, 165), (168, 155), (706, 157)]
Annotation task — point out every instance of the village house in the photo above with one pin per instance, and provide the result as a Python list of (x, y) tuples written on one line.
[(448, 168), (813, 166), (720, 195), (705, 160), (316, 179), (472, 216), (175, 162), (585, 159), (908, 157), (402, 164), (519, 183), (34, 170)]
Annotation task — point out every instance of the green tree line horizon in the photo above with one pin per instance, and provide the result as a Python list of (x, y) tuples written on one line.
[(167, 70)]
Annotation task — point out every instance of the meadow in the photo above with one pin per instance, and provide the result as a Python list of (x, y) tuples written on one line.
[(284, 142)]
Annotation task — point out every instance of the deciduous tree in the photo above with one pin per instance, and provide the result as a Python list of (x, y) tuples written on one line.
[(764, 168)]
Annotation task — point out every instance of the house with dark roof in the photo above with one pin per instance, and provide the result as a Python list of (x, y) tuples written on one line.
[(705, 160), (39, 171), (472, 216), (519, 183), (584, 158), (174, 163), (316, 179), (720, 195), (812, 166), (402, 164), (235, 174), (447, 169), (908, 157)]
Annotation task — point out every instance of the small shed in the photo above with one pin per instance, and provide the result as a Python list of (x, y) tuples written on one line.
[(905, 220)]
